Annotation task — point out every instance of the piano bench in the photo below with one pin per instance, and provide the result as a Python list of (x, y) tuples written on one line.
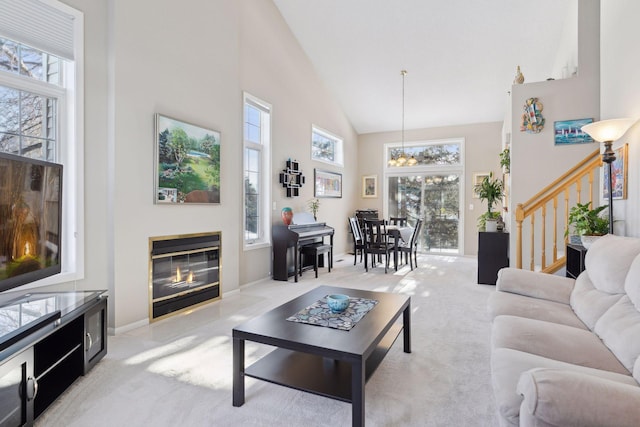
[(317, 250)]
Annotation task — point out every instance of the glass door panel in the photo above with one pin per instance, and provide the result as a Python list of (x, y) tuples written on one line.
[(436, 199)]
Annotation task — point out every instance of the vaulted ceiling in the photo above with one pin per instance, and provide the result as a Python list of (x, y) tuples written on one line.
[(461, 55)]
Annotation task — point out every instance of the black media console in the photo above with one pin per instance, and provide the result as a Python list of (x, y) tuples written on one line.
[(47, 341)]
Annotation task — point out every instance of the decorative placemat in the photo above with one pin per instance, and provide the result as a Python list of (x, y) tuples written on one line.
[(320, 314)]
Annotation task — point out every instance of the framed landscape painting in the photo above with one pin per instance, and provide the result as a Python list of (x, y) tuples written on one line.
[(568, 132), (187, 161), (619, 167), (327, 184)]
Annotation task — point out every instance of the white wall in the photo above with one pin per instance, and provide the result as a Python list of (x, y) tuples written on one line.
[(190, 60), (535, 160), (482, 148), (620, 88), (275, 69)]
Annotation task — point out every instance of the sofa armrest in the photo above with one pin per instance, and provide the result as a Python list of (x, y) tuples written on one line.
[(565, 398), (534, 284)]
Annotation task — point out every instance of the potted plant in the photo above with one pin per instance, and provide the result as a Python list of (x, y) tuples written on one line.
[(587, 223), (505, 160), (314, 205), (490, 189)]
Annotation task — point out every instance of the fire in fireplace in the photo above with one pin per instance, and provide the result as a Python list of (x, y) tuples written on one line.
[(184, 272)]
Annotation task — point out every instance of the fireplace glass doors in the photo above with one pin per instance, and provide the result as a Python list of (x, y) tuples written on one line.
[(185, 271)]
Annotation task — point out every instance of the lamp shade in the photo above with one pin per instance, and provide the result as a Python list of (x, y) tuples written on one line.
[(608, 130)]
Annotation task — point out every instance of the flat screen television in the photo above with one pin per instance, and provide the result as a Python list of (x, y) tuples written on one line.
[(30, 220)]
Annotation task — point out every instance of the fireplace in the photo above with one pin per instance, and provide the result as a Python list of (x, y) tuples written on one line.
[(184, 272)]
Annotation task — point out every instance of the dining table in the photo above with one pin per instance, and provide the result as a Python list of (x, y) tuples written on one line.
[(399, 233)]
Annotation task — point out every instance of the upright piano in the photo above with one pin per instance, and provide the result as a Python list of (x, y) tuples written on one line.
[(288, 239)]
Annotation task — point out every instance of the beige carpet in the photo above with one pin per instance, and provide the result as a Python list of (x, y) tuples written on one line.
[(177, 372)]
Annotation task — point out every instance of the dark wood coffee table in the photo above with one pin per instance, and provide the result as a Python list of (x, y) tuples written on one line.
[(321, 360)]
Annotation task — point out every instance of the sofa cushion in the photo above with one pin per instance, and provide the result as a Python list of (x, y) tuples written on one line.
[(608, 261), (507, 365), (619, 329), (501, 303), (632, 282), (590, 303), (559, 342)]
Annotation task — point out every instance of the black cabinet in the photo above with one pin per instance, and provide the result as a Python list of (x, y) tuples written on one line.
[(17, 390), (39, 366), (493, 254), (575, 260)]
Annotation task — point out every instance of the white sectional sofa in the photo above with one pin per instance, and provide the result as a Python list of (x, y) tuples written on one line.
[(566, 352)]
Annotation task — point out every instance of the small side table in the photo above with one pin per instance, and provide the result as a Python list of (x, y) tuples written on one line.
[(493, 254), (575, 260)]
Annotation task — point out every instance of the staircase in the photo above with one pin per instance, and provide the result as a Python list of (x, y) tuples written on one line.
[(542, 220)]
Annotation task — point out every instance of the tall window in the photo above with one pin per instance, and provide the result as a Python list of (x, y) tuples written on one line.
[(257, 139), (430, 190), (41, 102)]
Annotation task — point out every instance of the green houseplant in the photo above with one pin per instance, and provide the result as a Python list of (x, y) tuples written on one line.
[(587, 222), (505, 160), (492, 190)]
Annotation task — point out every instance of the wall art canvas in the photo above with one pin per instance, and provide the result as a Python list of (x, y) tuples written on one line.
[(570, 132), (187, 162), (327, 184), (370, 186), (620, 173), (477, 180)]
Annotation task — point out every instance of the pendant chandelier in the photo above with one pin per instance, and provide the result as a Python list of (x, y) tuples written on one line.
[(402, 158)]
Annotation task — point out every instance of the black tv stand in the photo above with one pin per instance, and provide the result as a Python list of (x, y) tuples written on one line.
[(47, 341)]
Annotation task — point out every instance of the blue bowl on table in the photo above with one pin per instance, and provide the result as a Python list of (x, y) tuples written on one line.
[(337, 302)]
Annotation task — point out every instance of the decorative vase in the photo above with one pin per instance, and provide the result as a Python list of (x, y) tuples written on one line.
[(287, 215), (519, 79)]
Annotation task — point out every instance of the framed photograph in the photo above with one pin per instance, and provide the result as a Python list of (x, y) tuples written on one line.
[(620, 172), (370, 186), (477, 179), (327, 184), (187, 163), (568, 132)]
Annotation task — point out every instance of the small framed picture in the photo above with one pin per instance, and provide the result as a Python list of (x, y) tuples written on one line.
[(568, 132), (327, 184), (370, 186), (477, 179), (620, 172)]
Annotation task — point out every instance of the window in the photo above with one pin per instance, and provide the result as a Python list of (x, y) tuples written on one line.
[(326, 147), (41, 104), (257, 139), (430, 190)]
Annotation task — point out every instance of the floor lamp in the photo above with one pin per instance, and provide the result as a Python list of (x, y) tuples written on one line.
[(607, 131)]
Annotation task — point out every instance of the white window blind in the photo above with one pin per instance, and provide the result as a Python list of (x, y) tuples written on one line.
[(39, 25)]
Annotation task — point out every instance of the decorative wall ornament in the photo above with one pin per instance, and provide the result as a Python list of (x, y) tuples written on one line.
[(291, 178), (532, 120)]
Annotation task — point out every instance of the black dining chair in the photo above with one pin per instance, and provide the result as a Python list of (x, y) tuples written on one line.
[(377, 242), (400, 221), (410, 248), (358, 239)]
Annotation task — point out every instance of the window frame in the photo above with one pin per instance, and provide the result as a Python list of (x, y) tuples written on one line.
[(264, 192), (338, 150), (458, 168), (70, 128)]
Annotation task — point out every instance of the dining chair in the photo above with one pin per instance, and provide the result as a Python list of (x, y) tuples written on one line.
[(410, 248), (358, 239), (401, 221), (377, 242)]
